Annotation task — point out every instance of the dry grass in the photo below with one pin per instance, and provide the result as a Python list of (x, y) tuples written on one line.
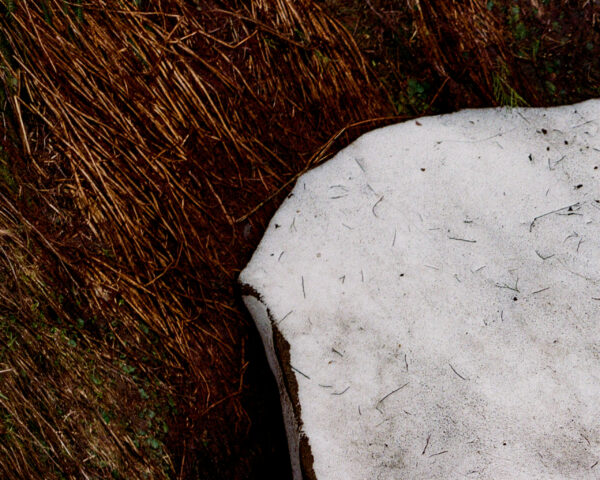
[(440, 56), (71, 403), (467, 40), (150, 131)]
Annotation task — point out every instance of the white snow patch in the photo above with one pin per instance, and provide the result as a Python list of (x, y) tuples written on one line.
[(439, 285)]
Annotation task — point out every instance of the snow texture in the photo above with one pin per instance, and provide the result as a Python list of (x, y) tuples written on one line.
[(437, 288)]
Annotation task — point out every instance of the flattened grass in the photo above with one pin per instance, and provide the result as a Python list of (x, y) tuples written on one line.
[(148, 133)]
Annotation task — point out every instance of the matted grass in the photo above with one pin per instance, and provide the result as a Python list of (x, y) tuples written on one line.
[(149, 132), (439, 56)]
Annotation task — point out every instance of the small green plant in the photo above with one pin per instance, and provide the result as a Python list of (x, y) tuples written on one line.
[(10, 5), (6, 177), (504, 93), (416, 96)]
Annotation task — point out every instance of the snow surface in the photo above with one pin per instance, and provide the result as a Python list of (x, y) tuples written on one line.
[(438, 282)]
